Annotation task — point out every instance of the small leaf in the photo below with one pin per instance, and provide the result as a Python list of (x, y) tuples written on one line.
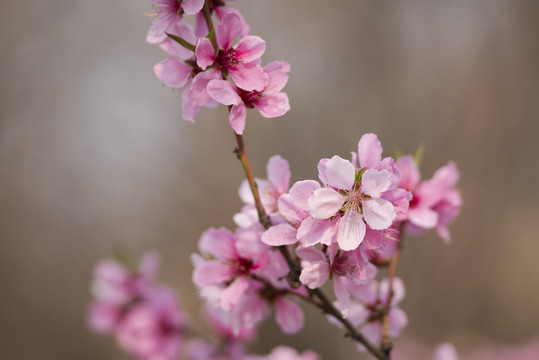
[(182, 42), (359, 174), (419, 154), (397, 154), (210, 35)]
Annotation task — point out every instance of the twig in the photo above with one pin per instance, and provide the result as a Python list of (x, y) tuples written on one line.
[(386, 345)]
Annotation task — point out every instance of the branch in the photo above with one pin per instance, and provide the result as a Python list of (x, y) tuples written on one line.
[(386, 345)]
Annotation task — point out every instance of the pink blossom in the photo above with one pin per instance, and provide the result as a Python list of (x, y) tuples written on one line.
[(168, 14), (352, 200), (287, 353), (367, 304), (435, 202), (445, 351), (269, 101), (229, 260), (240, 61), (151, 329), (277, 183)]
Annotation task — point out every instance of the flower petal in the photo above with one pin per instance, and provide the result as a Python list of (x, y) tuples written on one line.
[(249, 76), (237, 117), (410, 173), (277, 235), (172, 72), (220, 243), (211, 272), (379, 213), (301, 191), (340, 173), (230, 28), (288, 315), (315, 231), (374, 182), (278, 171), (250, 48), (369, 150), (233, 293), (275, 105), (325, 203), (205, 53), (423, 217), (223, 92), (351, 230), (192, 6)]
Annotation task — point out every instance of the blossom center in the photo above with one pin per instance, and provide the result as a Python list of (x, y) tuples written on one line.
[(227, 58), (249, 98)]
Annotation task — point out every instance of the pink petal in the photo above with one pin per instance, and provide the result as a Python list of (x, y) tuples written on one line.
[(189, 108), (278, 76), (245, 193), (183, 30), (277, 235), (103, 318), (369, 150), (342, 294), (394, 173), (398, 291), (220, 243), (290, 211), (172, 72), (315, 231), (447, 174), (197, 92), (397, 321), (192, 6), (325, 203), (379, 213), (249, 76), (301, 191), (237, 117), (223, 92), (211, 272), (230, 28), (445, 351), (310, 254), (340, 173), (410, 173), (374, 182), (201, 28), (271, 106), (233, 293), (205, 53), (278, 171), (423, 217), (289, 316), (322, 164), (351, 230), (250, 48)]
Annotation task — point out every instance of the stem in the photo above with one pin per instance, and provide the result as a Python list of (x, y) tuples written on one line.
[(386, 345), (206, 11)]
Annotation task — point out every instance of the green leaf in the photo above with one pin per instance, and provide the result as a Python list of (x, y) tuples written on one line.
[(397, 154), (210, 35), (418, 157), (182, 42), (359, 174)]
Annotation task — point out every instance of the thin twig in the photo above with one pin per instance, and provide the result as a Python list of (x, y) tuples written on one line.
[(386, 345)]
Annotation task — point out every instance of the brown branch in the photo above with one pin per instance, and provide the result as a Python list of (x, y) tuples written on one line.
[(386, 345)]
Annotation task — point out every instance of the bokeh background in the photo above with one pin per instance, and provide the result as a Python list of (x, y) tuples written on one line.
[(94, 154)]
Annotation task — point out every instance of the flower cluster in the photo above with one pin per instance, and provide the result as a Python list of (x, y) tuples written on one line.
[(220, 66), (341, 229), (289, 240), (144, 317)]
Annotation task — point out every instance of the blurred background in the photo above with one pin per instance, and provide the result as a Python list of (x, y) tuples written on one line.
[(94, 154)]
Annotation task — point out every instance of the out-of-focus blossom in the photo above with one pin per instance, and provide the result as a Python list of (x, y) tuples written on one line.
[(435, 202)]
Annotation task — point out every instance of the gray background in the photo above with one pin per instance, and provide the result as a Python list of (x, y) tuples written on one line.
[(94, 154)]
